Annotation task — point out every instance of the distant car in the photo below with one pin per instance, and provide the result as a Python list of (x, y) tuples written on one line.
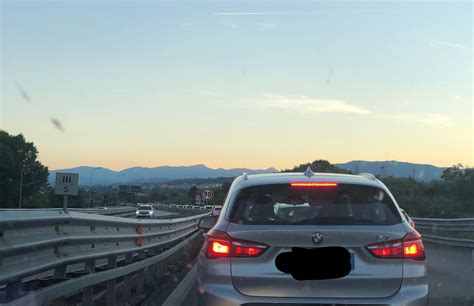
[(216, 210), (208, 207), (310, 239), (201, 208), (145, 211)]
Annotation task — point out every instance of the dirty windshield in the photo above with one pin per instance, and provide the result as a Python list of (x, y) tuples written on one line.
[(268, 152)]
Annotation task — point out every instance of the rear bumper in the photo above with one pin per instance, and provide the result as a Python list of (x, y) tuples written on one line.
[(226, 295)]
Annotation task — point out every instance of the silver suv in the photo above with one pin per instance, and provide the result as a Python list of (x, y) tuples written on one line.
[(311, 238)]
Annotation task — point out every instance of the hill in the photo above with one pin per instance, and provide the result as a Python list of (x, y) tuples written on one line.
[(138, 175)]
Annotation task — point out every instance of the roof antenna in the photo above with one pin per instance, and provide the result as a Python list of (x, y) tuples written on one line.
[(309, 172), (244, 175)]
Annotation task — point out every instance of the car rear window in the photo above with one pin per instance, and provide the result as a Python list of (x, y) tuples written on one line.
[(144, 208), (344, 204)]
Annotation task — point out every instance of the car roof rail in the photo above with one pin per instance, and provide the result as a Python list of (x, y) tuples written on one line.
[(370, 176)]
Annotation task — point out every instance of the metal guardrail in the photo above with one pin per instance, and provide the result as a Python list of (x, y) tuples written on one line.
[(106, 211), (39, 248), (460, 225)]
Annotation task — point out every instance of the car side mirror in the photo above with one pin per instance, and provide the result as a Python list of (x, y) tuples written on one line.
[(207, 223)]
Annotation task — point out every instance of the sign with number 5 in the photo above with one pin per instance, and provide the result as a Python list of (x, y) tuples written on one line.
[(67, 184)]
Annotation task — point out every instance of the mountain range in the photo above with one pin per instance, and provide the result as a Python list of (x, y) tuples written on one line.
[(137, 175)]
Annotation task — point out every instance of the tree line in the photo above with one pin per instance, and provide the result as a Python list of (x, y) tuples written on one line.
[(451, 196)]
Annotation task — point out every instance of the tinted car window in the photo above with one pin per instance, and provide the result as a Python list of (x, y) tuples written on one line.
[(144, 208), (346, 204)]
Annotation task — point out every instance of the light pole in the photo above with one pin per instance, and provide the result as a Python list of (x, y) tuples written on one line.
[(21, 185), (118, 175), (90, 183)]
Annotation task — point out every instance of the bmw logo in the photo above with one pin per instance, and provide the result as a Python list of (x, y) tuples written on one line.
[(317, 238)]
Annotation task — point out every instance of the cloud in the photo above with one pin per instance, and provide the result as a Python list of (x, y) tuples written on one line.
[(306, 104), (448, 44), (297, 13), (428, 119), (434, 119)]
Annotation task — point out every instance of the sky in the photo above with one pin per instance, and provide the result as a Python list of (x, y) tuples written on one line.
[(229, 84)]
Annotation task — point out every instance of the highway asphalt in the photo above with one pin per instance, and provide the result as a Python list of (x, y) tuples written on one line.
[(450, 275)]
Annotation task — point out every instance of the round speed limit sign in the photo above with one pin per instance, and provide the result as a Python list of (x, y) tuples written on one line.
[(207, 194)]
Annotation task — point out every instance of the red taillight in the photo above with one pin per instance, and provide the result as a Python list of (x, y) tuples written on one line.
[(412, 223), (314, 184), (413, 246), (220, 245), (410, 246), (247, 248), (246, 251), (389, 249)]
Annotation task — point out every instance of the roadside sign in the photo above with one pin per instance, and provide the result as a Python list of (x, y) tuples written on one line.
[(207, 194), (67, 184)]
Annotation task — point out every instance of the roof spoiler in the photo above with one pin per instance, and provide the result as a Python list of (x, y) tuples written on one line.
[(370, 176)]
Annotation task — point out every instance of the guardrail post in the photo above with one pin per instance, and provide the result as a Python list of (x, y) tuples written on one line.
[(87, 296), (112, 262), (129, 258), (127, 287), (140, 281), (90, 266), (13, 290), (110, 293), (150, 275), (60, 272)]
